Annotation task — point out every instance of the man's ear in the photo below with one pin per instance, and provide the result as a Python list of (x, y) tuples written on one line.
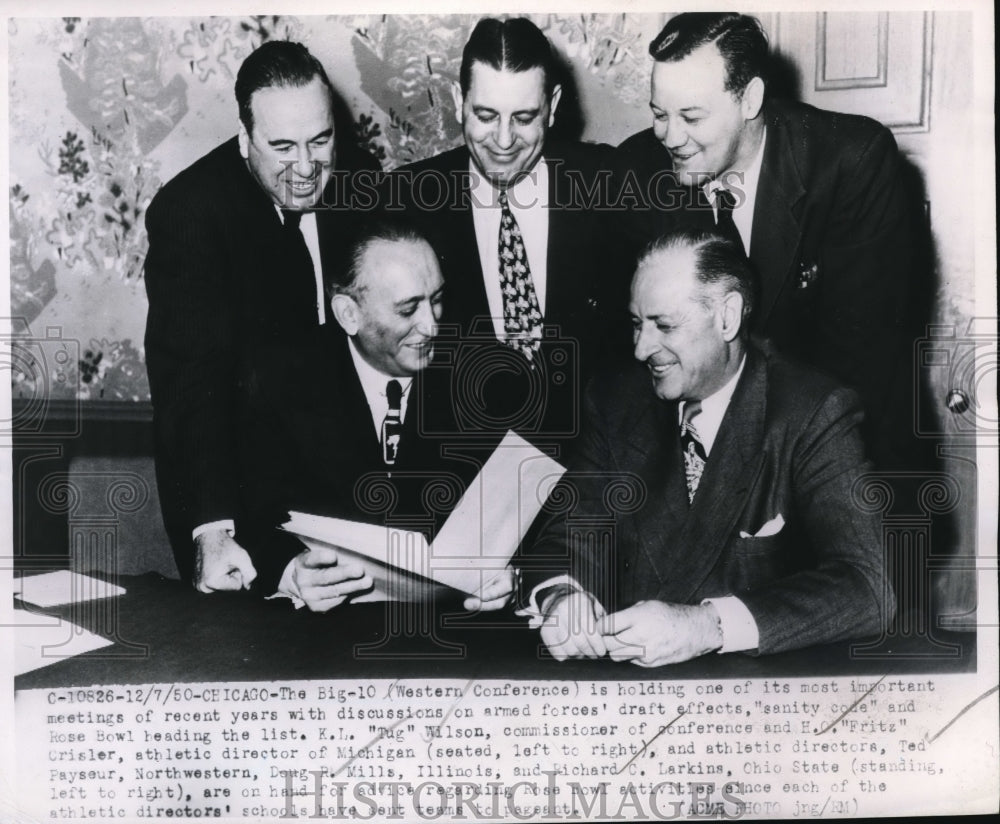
[(731, 316), (458, 97), (347, 313), (244, 140), (752, 99)]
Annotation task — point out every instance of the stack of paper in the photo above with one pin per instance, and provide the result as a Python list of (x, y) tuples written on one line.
[(476, 543)]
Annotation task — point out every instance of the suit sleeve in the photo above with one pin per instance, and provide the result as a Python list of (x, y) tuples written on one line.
[(273, 478), (191, 361), (578, 527), (840, 590)]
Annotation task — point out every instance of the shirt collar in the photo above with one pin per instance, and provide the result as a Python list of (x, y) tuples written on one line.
[(372, 381), (307, 214), (713, 409), (740, 179), (531, 189)]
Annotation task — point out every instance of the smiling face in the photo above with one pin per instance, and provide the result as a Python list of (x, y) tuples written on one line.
[(706, 129), (290, 152), (505, 118), (684, 331), (395, 305)]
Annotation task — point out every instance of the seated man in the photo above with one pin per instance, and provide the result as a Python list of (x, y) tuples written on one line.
[(355, 408), (747, 532)]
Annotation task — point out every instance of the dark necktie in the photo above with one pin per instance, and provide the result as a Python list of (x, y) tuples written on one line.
[(392, 426), (725, 202), (692, 447), (302, 280), (522, 316)]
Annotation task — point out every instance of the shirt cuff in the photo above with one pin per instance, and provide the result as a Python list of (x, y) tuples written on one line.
[(211, 526), (287, 587), (739, 629), (533, 611)]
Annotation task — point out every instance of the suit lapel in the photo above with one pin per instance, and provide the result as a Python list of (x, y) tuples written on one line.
[(730, 473), (461, 263), (652, 450), (559, 250), (353, 431), (776, 233)]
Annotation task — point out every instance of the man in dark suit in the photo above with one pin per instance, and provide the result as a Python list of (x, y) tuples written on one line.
[(236, 260), (747, 529), (356, 425), (816, 198), (519, 252)]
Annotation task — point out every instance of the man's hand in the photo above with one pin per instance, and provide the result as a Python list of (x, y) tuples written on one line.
[(495, 594), (570, 627), (220, 563), (323, 581), (654, 633)]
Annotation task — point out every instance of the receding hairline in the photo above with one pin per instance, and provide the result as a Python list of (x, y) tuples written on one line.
[(689, 253), (371, 246)]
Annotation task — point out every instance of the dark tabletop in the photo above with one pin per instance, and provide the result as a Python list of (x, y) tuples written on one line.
[(165, 632)]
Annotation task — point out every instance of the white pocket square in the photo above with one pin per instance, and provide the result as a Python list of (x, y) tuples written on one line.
[(772, 527)]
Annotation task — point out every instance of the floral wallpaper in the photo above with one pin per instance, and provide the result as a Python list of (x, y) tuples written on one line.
[(103, 111)]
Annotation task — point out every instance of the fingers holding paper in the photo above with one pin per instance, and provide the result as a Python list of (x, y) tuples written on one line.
[(570, 627), (324, 580), (653, 633), (495, 594)]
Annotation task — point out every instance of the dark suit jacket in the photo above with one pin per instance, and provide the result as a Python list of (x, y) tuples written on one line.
[(788, 445), (543, 405), (311, 446), (217, 281), (832, 240)]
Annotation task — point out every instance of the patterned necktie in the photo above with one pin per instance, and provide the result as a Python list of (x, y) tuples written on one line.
[(392, 426), (522, 316), (692, 447), (725, 202)]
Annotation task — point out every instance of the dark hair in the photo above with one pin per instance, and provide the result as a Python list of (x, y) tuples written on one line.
[(718, 261), (276, 63), (390, 229), (740, 39), (515, 44)]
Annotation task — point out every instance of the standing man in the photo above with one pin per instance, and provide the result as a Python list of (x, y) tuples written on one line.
[(816, 199), (518, 250), (747, 531), (236, 260), (357, 410)]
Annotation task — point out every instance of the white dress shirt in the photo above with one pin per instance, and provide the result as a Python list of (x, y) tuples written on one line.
[(529, 201), (373, 383), (740, 182)]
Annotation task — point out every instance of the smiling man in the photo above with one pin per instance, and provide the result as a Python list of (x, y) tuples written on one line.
[(236, 260), (519, 252), (355, 408), (747, 531), (815, 198)]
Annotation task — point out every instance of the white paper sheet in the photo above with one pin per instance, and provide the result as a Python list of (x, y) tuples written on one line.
[(53, 589), (49, 641), (476, 542)]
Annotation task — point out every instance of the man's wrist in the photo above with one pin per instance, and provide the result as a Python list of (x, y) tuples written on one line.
[(553, 595), (225, 525), (711, 623)]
